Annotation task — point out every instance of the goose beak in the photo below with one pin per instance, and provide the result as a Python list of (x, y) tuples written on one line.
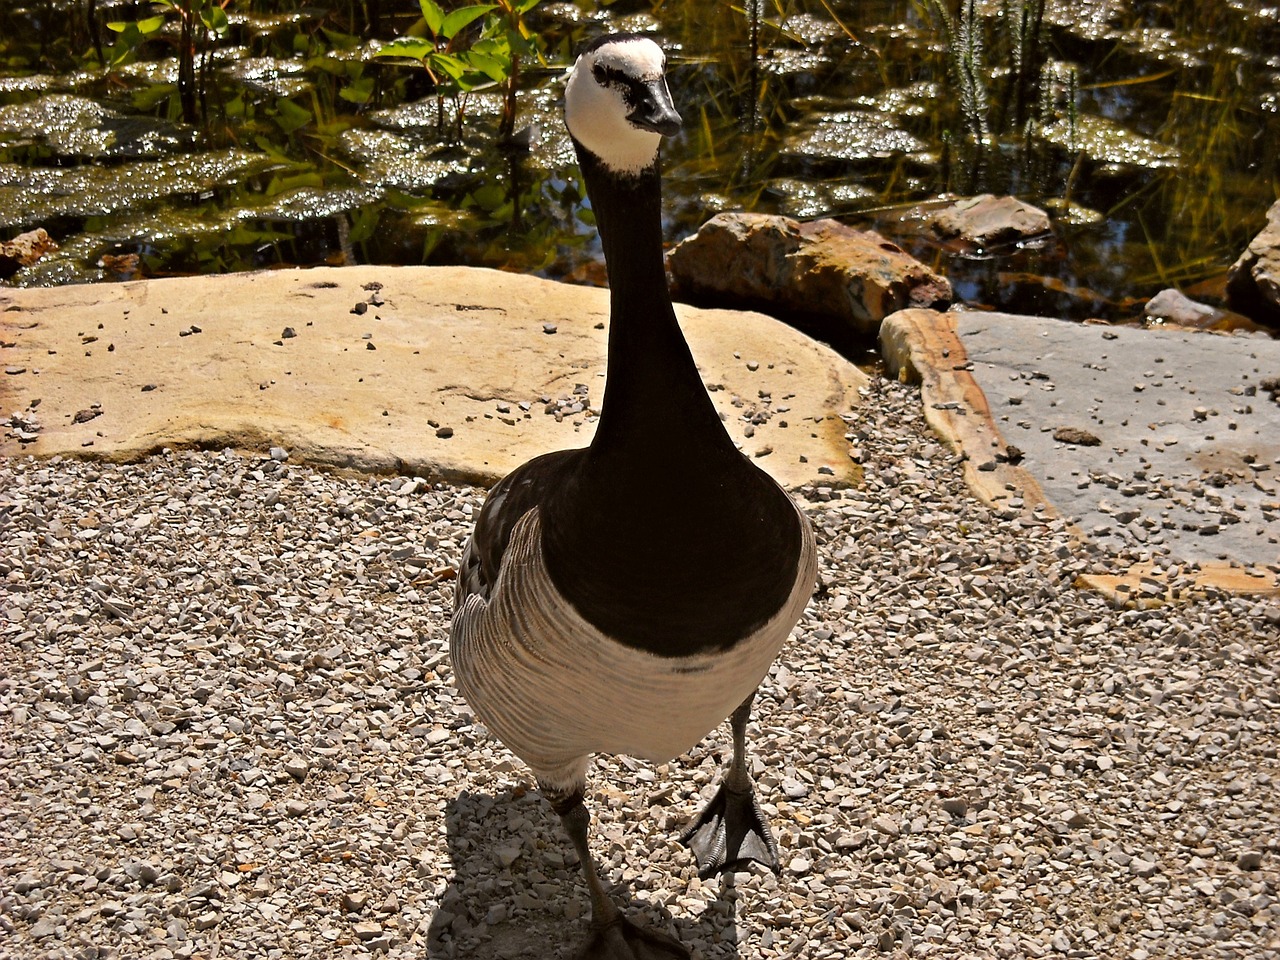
[(655, 111)]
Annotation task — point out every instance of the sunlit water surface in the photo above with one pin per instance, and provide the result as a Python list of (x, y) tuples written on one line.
[(1150, 130)]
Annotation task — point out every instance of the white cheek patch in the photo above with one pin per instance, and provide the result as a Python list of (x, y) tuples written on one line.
[(637, 57), (596, 114)]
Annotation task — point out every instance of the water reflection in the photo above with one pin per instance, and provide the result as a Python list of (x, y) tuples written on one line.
[(1154, 135)]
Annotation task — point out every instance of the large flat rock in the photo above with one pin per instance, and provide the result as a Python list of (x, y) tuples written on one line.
[(1159, 444), (457, 373)]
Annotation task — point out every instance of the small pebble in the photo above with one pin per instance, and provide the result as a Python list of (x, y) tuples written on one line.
[(799, 866)]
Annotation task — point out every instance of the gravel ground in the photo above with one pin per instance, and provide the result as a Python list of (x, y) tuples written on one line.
[(229, 731)]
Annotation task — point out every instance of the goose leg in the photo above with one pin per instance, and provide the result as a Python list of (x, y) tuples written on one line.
[(613, 936), (731, 828)]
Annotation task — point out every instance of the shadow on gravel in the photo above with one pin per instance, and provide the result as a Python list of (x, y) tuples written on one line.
[(509, 850)]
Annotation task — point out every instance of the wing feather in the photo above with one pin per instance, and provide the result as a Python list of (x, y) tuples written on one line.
[(515, 495)]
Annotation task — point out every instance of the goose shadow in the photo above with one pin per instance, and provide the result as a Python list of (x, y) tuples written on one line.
[(517, 891)]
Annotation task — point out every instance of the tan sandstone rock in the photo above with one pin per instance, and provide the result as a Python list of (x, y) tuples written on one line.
[(457, 373)]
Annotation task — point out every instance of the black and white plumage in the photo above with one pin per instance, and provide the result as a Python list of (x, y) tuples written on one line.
[(627, 597)]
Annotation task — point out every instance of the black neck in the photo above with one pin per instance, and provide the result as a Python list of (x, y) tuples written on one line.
[(654, 399), (661, 534)]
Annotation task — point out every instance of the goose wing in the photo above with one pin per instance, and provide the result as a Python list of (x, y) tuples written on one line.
[(515, 495)]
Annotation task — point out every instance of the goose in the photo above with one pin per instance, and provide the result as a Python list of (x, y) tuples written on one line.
[(627, 597)]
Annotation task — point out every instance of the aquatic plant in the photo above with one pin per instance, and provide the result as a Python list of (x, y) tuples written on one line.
[(1024, 39), (1005, 92), (200, 24), (1012, 75), (458, 60), (1159, 156), (967, 62)]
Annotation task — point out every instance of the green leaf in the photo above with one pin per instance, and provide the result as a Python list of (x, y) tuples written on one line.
[(493, 67), (290, 116), (307, 179), (430, 240), (409, 47), (148, 98), (136, 29), (215, 20), (364, 224), (241, 235), (358, 91), (339, 40), (470, 80), (123, 49), (432, 13), (271, 150), (448, 64), (490, 197), (329, 65), (463, 17), (498, 47)]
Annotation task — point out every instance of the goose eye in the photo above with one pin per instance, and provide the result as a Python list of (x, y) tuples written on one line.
[(602, 76)]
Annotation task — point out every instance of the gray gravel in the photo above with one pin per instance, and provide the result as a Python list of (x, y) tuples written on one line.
[(228, 730)]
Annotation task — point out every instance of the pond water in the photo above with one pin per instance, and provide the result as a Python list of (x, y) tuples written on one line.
[(1150, 129)]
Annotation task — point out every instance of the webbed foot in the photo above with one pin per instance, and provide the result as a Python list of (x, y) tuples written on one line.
[(624, 940), (731, 831), (613, 936)]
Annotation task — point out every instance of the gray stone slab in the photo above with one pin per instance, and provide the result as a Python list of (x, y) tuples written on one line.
[(1187, 459)]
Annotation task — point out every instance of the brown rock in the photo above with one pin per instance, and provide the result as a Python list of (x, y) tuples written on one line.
[(1081, 438), (24, 250), (988, 220), (1173, 306), (833, 281), (121, 266), (1253, 282)]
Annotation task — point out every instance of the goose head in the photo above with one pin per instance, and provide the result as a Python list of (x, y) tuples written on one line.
[(617, 105)]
